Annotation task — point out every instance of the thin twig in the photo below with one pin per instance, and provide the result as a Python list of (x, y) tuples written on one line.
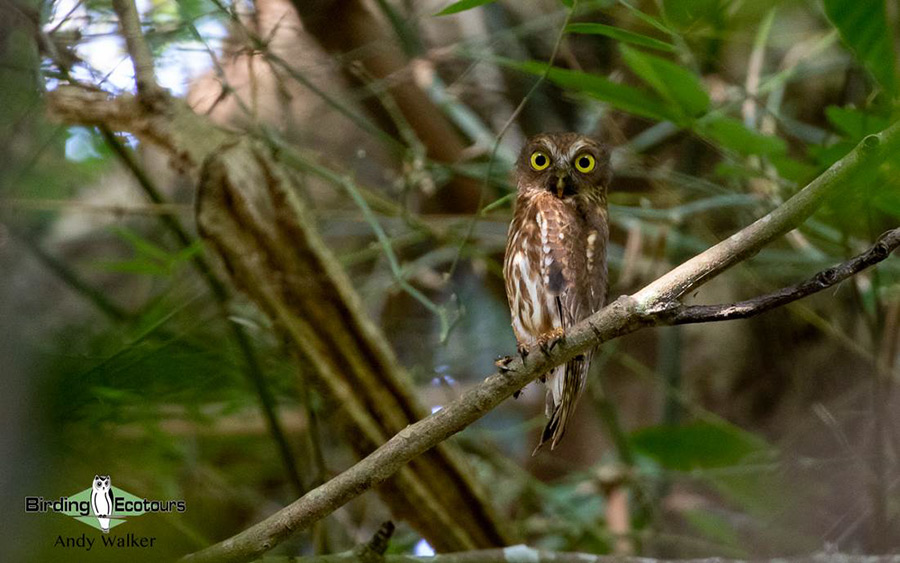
[(439, 311), (823, 280), (74, 205), (72, 279), (138, 50)]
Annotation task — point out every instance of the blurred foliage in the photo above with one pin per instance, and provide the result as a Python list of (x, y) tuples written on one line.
[(718, 112), (696, 445)]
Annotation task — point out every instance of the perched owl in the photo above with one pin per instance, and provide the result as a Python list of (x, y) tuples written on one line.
[(555, 264), (102, 500)]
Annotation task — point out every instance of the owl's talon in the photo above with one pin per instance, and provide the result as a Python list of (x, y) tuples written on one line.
[(516, 394), (523, 351), (550, 340), (502, 363)]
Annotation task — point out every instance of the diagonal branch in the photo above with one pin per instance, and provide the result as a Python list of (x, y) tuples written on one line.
[(625, 315)]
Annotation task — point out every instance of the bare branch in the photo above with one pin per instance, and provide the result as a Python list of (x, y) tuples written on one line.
[(187, 137), (141, 57)]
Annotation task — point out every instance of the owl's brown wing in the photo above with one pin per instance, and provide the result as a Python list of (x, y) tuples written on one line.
[(595, 238)]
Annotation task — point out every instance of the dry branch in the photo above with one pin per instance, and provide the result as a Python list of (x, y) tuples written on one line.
[(886, 244), (138, 50)]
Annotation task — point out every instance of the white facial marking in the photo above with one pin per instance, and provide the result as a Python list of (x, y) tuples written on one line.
[(575, 149)]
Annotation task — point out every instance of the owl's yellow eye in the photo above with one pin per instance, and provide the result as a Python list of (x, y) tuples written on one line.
[(539, 160), (585, 163)]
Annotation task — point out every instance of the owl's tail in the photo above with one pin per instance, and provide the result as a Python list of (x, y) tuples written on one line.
[(564, 386)]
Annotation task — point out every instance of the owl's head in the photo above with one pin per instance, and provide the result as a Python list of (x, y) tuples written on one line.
[(564, 164), (101, 483)]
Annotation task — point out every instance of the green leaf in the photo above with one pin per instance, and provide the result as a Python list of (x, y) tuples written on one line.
[(625, 98), (149, 258), (717, 529), (141, 245), (142, 267), (732, 134), (764, 492), (620, 35), (888, 200), (793, 170), (854, 123), (190, 10), (646, 18), (826, 156), (679, 86), (693, 14), (462, 6), (863, 27), (697, 445)]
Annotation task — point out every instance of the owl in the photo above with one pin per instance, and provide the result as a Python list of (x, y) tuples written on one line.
[(102, 500), (555, 263)]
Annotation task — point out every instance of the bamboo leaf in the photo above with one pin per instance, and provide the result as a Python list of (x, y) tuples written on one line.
[(620, 96), (141, 245), (734, 135), (462, 6), (679, 86), (646, 18), (697, 445), (863, 27), (620, 35), (853, 123), (692, 14)]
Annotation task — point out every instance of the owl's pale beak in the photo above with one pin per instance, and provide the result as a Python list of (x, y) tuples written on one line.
[(562, 176)]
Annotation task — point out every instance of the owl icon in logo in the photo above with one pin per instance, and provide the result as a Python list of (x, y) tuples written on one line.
[(102, 500)]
